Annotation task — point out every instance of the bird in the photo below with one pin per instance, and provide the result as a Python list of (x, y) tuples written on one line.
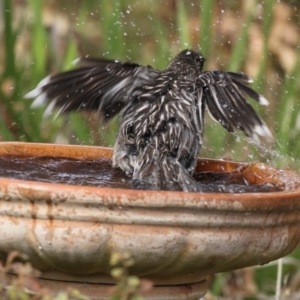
[(162, 112)]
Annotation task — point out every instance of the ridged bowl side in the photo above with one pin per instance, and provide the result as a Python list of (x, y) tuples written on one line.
[(173, 236)]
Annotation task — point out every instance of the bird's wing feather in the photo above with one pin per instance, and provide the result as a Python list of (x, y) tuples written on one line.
[(98, 84), (225, 94)]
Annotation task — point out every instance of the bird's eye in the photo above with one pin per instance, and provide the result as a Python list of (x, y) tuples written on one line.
[(198, 60)]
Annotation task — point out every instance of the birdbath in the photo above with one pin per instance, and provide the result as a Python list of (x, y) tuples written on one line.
[(177, 239)]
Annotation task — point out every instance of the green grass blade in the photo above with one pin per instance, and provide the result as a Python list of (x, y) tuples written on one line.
[(9, 40), (163, 47), (38, 41), (182, 25), (206, 17), (14, 75), (113, 34), (239, 48), (287, 115), (267, 23), (80, 128)]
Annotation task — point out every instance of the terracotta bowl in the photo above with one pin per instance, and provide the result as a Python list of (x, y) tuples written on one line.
[(176, 238)]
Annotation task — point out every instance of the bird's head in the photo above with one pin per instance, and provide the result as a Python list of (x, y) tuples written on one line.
[(188, 62)]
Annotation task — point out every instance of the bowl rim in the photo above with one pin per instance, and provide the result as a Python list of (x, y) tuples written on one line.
[(285, 200)]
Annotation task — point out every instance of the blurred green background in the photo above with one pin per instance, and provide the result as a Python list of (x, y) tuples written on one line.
[(260, 38)]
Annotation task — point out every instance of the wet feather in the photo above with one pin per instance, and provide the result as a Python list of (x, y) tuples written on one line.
[(162, 112)]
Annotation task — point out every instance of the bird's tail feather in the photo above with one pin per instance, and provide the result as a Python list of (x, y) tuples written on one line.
[(165, 174)]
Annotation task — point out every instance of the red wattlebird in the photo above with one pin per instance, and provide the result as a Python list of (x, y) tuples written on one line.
[(162, 112)]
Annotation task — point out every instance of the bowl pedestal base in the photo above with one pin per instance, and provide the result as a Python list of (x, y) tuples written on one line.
[(98, 291), (101, 291)]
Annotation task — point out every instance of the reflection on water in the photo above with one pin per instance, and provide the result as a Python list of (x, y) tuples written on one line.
[(101, 174), (64, 170)]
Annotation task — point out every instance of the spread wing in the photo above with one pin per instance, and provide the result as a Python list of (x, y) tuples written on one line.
[(98, 84), (224, 94)]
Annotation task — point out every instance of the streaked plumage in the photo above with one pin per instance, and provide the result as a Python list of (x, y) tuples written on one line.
[(161, 127)]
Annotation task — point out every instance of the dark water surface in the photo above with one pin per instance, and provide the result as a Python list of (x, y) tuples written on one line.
[(101, 174)]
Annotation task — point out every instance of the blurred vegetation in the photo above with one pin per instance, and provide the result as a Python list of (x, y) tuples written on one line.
[(24, 283), (260, 38)]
